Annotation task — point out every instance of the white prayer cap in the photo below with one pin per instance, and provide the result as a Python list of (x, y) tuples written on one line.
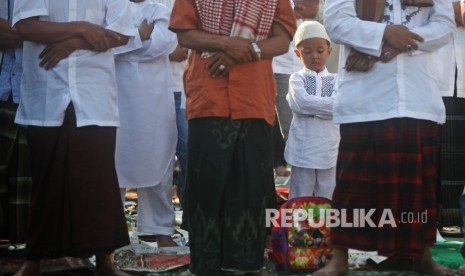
[(310, 29)]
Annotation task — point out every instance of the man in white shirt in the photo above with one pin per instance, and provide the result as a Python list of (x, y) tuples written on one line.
[(452, 86), (11, 45), (388, 118), (178, 62), (68, 100), (450, 62)]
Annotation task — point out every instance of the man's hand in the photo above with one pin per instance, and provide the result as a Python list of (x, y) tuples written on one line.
[(240, 50), (305, 9), (401, 38), (97, 36), (145, 29), (54, 53), (219, 65), (9, 38), (179, 54), (388, 53)]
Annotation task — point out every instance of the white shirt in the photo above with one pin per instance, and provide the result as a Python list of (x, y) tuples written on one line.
[(449, 58), (313, 137), (86, 78), (10, 61), (407, 86), (177, 83), (287, 63), (146, 140)]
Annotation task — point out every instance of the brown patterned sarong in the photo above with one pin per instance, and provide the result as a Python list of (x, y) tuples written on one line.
[(388, 165), (76, 207)]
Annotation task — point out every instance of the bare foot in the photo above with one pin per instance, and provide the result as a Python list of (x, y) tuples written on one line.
[(281, 171), (105, 266), (29, 268), (165, 241), (429, 266), (461, 270), (337, 266), (268, 242)]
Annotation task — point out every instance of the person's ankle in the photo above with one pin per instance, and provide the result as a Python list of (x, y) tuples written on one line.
[(462, 249), (29, 268), (281, 170), (165, 241)]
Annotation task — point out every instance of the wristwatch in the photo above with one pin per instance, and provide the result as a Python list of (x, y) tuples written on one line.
[(257, 49)]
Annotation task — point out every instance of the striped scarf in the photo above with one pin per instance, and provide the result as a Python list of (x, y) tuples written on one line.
[(248, 19)]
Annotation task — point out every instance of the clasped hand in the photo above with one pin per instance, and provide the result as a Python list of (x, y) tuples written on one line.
[(92, 37), (398, 39), (238, 51)]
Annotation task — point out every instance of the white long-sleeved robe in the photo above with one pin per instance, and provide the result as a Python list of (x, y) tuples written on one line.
[(146, 140), (313, 137)]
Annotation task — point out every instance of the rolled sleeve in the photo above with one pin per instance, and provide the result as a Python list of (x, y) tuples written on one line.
[(183, 16), (24, 9), (119, 18), (285, 16)]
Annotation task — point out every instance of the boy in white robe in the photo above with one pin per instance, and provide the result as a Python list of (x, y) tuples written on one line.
[(146, 140), (313, 140)]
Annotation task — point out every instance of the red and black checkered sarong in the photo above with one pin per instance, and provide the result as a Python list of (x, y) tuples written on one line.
[(387, 166)]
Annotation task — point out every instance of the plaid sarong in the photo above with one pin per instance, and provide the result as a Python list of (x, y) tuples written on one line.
[(388, 165), (451, 160), (15, 176)]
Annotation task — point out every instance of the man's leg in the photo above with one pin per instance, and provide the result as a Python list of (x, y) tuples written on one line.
[(337, 266), (326, 182), (246, 197), (210, 148), (181, 146), (155, 212), (462, 210), (303, 182)]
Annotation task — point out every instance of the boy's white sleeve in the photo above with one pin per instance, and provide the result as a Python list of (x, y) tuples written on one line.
[(162, 41), (301, 102)]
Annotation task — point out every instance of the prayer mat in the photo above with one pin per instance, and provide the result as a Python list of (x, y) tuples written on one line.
[(137, 258), (11, 264), (448, 254)]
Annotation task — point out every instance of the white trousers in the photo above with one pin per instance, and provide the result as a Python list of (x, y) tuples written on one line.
[(312, 182), (155, 211)]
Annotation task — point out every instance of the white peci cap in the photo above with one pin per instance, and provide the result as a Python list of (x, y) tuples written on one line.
[(310, 29)]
